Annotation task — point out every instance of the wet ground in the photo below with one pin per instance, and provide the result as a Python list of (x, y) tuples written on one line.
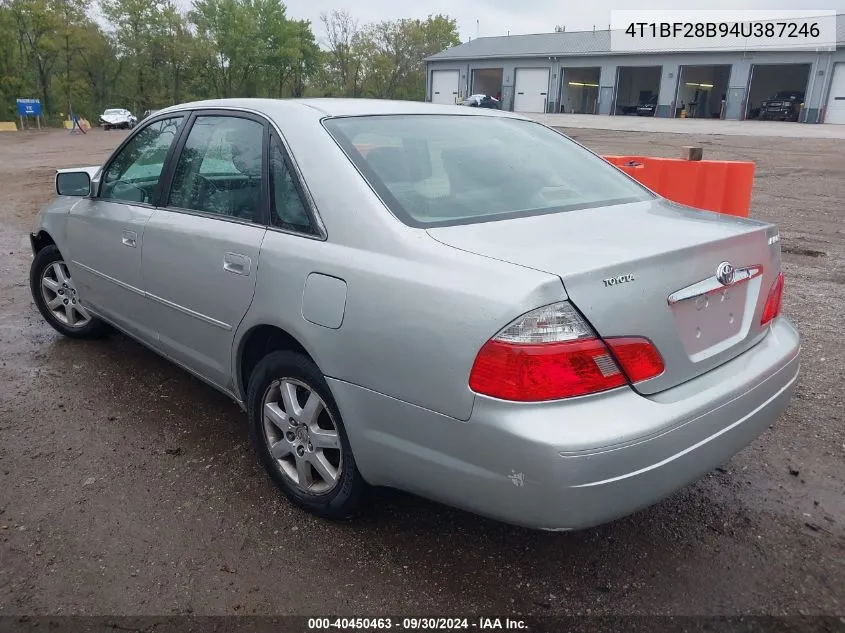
[(128, 487)]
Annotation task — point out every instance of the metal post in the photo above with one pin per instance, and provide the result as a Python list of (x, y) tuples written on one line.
[(38, 122)]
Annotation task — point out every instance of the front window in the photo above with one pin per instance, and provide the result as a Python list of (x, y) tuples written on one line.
[(134, 173), (442, 170), (113, 112)]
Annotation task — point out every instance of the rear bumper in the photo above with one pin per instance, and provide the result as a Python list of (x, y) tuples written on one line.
[(575, 463)]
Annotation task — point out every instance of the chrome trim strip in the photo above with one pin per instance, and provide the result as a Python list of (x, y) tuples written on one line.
[(169, 304), (712, 284), (189, 312), (122, 284)]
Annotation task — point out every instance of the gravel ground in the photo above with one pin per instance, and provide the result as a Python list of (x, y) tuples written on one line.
[(128, 487)]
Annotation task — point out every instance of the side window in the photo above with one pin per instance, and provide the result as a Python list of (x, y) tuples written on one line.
[(287, 210), (219, 169), (134, 173)]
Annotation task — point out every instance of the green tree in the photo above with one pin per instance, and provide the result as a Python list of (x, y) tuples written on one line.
[(100, 68), (137, 24), (394, 54), (343, 61), (36, 24)]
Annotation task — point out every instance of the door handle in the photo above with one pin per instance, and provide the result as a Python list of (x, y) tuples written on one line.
[(237, 264), (130, 239)]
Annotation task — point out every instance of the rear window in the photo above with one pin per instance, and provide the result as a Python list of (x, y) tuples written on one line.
[(443, 170)]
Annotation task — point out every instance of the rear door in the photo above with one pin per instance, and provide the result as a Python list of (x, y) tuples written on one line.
[(105, 233), (201, 248)]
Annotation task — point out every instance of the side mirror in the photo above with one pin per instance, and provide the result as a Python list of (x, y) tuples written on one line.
[(73, 183)]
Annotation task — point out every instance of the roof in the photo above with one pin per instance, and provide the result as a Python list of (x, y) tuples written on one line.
[(276, 108), (566, 44)]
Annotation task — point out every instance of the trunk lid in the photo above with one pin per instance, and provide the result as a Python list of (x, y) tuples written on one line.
[(647, 269)]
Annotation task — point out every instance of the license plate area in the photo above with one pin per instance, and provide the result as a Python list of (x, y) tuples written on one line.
[(712, 322)]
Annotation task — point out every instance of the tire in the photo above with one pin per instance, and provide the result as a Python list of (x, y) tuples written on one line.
[(297, 449), (76, 322), (106, 128)]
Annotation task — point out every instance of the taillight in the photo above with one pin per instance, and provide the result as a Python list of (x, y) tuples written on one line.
[(773, 301), (639, 357), (552, 353)]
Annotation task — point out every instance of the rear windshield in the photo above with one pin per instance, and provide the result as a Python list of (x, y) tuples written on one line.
[(443, 170)]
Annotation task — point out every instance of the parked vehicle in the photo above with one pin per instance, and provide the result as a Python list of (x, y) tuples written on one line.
[(784, 106), (648, 106), (117, 118), (466, 305), (482, 101)]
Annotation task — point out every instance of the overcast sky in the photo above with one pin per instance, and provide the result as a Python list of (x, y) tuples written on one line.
[(497, 17)]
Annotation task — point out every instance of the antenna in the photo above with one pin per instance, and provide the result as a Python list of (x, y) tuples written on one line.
[(477, 29), (594, 29)]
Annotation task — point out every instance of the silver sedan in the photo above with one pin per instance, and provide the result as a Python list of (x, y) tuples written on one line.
[(460, 303)]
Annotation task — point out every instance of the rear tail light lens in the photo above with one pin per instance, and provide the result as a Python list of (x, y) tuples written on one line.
[(773, 302), (638, 357), (552, 353)]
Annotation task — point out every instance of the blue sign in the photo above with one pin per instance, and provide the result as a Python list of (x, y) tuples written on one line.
[(29, 107)]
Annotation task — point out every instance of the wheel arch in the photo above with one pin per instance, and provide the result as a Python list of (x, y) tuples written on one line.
[(258, 341), (41, 240)]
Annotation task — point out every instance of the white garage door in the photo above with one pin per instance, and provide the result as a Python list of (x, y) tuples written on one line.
[(444, 86), (532, 89), (835, 112)]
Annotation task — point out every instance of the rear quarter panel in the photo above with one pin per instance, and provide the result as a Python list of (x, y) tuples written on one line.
[(413, 322)]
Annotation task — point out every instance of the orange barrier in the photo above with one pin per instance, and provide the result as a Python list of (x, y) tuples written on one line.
[(713, 185)]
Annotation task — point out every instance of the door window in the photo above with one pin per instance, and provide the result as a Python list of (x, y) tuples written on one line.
[(134, 173), (219, 170), (288, 210)]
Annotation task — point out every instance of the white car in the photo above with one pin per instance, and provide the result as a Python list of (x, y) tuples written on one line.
[(119, 118)]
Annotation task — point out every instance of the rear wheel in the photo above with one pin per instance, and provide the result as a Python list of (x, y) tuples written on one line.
[(299, 436), (57, 299)]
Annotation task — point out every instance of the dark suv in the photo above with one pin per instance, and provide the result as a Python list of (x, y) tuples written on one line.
[(784, 106)]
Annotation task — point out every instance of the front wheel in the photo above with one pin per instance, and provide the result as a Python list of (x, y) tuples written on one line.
[(300, 438), (57, 299)]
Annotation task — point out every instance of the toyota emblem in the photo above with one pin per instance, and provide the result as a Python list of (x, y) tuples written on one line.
[(725, 273)]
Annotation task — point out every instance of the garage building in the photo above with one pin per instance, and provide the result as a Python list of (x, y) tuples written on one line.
[(577, 72)]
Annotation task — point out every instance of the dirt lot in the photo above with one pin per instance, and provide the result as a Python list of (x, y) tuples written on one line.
[(128, 487)]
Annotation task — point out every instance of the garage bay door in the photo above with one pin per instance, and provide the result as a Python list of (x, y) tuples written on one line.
[(444, 86), (835, 112), (532, 88)]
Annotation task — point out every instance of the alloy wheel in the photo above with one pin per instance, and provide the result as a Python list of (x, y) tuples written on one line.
[(302, 436), (60, 296)]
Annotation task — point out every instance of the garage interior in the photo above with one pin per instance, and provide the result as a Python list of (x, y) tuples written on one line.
[(701, 90), (635, 85), (579, 90), (487, 81), (769, 79)]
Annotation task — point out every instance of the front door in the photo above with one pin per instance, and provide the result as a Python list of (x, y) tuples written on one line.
[(201, 249), (105, 233)]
